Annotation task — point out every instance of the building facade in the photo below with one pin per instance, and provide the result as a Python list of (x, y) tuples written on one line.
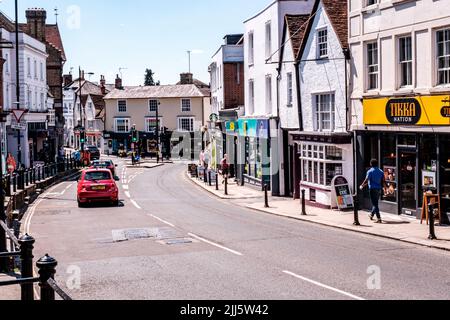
[(181, 108), (324, 146), (261, 138), (227, 97), (401, 98)]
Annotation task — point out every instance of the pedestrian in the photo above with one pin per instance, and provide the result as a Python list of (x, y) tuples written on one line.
[(376, 182), (225, 167)]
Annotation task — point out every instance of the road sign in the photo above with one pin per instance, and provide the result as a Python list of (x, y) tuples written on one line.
[(18, 114), (22, 125)]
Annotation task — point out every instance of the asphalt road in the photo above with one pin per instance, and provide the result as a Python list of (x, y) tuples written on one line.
[(202, 248)]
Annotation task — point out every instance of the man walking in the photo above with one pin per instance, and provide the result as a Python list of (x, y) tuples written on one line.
[(376, 182)]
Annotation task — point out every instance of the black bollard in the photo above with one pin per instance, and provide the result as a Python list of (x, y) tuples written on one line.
[(432, 235), (226, 185), (8, 185), (14, 183), (356, 210), (303, 202), (217, 182), (266, 196), (26, 257), (209, 178), (205, 176), (47, 269), (26, 178)]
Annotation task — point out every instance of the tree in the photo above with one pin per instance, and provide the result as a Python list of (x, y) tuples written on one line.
[(149, 81)]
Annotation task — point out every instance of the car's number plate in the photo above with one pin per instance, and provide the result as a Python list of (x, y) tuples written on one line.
[(96, 188)]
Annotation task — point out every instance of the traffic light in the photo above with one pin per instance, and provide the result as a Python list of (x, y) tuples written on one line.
[(82, 137), (135, 136)]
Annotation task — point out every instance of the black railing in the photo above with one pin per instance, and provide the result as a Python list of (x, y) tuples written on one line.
[(46, 266)]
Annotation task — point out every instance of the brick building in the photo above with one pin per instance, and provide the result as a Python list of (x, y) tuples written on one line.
[(49, 34)]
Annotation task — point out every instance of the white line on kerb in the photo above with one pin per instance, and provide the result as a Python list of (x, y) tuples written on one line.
[(135, 204), (127, 194), (215, 244), (163, 221), (323, 286)]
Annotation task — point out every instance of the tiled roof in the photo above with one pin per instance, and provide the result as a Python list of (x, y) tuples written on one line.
[(198, 83), (337, 13), (53, 37), (296, 25), (148, 92)]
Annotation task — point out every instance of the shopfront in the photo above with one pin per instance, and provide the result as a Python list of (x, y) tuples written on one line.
[(410, 137), (254, 134)]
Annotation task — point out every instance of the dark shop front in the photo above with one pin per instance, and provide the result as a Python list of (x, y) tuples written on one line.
[(410, 137)]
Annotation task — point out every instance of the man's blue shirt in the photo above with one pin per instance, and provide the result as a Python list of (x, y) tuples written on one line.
[(375, 177)]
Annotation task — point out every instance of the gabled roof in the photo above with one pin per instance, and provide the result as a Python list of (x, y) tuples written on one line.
[(148, 92), (52, 37), (336, 11)]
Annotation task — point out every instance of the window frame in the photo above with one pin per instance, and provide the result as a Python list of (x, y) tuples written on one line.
[(369, 66), (268, 40), (321, 43), (251, 48), (446, 55), (319, 112), (119, 106), (127, 121), (251, 96), (182, 100), (150, 105), (147, 121), (400, 63), (269, 95), (289, 88), (179, 124)]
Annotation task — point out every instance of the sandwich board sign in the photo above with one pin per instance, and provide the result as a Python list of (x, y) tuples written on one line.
[(342, 193)]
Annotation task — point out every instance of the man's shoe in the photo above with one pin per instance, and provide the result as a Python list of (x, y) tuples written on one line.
[(379, 221), (370, 217)]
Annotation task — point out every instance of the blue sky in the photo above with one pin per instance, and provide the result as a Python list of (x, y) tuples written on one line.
[(140, 34)]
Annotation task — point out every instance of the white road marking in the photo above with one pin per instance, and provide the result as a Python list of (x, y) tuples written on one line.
[(125, 187), (323, 286), (163, 221), (215, 244), (135, 204), (127, 194)]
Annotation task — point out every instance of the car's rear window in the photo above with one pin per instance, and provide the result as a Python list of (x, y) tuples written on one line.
[(95, 176), (101, 164)]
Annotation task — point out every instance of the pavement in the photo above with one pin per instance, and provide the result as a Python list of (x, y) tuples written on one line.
[(11, 292), (400, 228), (171, 240)]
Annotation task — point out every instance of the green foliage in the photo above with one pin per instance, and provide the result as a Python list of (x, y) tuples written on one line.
[(149, 80)]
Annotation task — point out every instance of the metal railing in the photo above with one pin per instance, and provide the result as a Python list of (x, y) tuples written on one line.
[(23, 248)]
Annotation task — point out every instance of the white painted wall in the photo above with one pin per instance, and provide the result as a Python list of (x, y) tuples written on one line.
[(275, 13), (325, 76), (384, 23), (289, 115)]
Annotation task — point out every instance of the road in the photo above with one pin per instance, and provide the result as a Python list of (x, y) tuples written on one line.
[(203, 248)]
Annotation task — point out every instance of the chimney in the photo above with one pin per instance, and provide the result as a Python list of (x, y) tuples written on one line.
[(186, 78), (67, 79), (82, 75), (36, 18), (118, 83), (102, 84)]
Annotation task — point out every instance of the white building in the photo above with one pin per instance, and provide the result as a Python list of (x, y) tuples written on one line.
[(33, 95), (400, 100), (262, 42), (325, 143)]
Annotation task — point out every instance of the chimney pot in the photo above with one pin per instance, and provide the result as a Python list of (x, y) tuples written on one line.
[(186, 78)]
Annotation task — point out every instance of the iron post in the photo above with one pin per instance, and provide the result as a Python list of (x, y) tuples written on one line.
[(356, 210), (26, 257), (432, 235), (47, 269), (304, 202)]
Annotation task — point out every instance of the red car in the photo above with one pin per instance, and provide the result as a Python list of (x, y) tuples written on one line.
[(97, 185), (106, 164)]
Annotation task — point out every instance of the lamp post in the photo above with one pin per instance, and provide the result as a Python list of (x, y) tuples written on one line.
[(19, 148)]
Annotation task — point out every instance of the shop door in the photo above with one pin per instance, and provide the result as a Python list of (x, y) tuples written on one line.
[(408, 182)]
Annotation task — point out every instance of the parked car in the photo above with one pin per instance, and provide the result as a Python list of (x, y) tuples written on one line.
[(94, 152), (106, 164), (97, 186)]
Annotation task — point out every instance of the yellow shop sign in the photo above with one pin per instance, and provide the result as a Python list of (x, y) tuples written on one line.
[(421, 111)]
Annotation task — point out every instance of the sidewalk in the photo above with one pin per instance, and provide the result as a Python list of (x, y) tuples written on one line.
[(403, 229)]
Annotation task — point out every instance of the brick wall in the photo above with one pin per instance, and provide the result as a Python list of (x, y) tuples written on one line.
[(234, 89)]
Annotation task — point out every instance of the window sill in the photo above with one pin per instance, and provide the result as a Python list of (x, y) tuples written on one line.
[(371, 94), (397, 2), (370, 9), (440, 89)]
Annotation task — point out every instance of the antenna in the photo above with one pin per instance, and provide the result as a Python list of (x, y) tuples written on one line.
[(120, 71), (56, 14), (189, 57)]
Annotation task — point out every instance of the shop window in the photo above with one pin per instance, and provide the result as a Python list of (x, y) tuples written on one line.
[(445, 174), (333, 170), (334, 153), (389, 166)]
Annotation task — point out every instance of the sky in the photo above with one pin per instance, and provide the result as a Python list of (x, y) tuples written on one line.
[(104, 36)]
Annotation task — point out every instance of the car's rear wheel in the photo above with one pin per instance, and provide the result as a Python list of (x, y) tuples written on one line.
[(80, 204)]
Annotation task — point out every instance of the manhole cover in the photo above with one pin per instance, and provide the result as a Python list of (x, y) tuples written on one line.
[(131, 234), (178, 241)]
